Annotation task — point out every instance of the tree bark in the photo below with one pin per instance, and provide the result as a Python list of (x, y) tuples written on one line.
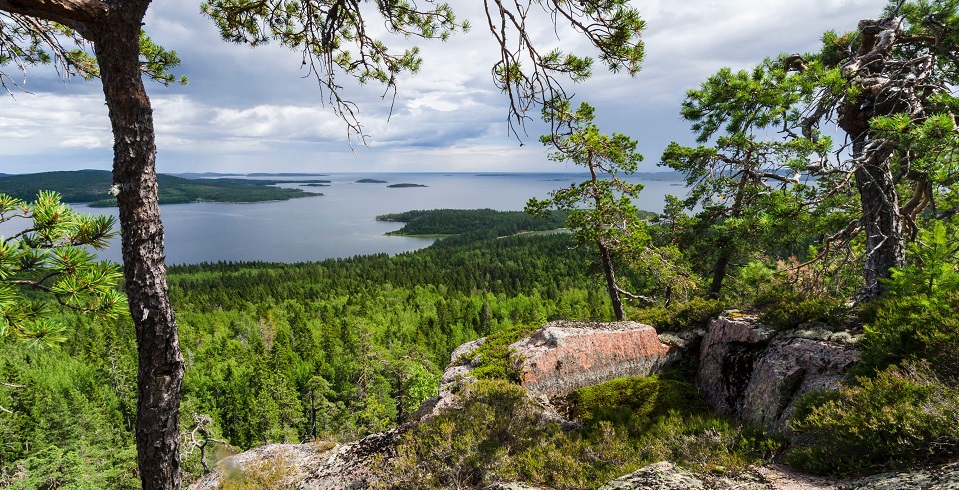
[(607, 260), (881, 221), (881, 218), (160, 372), (719, 271)]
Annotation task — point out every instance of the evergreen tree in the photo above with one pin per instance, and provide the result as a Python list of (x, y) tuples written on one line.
[(49, 256), (601, 209), (887, 87)]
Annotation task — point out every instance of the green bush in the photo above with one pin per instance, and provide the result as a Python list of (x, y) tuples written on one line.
[(919, 317), (265, 474), (635, 402), (784, 311), (496, 433), (903, 416), (495, 358), (695, 313), (707, 442), (912, 328), (471, 444)]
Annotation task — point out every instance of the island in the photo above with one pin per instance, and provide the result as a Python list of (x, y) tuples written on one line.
[(370, 181), (405, 184), (92, 186), (437, 223)]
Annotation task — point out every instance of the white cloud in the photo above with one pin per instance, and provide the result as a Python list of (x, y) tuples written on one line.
[(86, 141), (248, 109)]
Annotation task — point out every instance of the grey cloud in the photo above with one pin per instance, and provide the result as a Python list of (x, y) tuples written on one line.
[(249, 109)]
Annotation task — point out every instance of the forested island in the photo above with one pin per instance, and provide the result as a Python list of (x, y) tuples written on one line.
[(406, 184), (93, 186), (370, 181), (447, 222)]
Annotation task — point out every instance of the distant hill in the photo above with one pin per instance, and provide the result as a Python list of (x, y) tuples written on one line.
[(91, 186)]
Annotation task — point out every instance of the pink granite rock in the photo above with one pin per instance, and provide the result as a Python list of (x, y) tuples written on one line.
[(789, 369), (564, 356), (726, 358), (757, 374)]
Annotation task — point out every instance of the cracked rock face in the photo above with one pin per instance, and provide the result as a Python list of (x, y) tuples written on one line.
[(309, 466), (564, 356), (658, 476), (757, 374)]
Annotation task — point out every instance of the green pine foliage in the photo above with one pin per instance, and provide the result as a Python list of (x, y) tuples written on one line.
[(920, 318), (48, 258)]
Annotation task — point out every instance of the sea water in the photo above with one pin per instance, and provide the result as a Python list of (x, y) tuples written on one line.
[(342, 222)]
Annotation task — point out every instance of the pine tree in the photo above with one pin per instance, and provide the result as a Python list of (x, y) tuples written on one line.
[(50, 256), (600, 210)]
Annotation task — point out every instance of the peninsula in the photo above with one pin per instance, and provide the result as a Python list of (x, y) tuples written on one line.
[(92, 186)]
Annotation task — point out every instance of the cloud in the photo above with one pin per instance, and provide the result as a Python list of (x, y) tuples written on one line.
[(48, 128), (252, 109), (86, 141)]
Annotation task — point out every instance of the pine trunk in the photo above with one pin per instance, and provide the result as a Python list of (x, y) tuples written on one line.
[(607, 260), (160, 371), (881, 221), (719, 272)]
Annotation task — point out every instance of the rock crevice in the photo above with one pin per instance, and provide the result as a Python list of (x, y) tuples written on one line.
[(757, 374)]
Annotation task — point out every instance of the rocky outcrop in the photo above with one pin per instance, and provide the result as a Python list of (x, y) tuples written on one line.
[(745, 369), (658, 476), (462, 363), (944, 477), (561, 357), (311, 466), (667, 476), (757, 374)]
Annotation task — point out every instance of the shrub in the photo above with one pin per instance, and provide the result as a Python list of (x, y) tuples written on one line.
[(784, 311), (695, 313), (913, 328), (495, 358), (496, 433), (635, 402), (265, 474), (468, 445), (707, 442), (903, 416), (919, 318)]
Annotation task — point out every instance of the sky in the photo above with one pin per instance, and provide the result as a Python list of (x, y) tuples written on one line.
[(255, 110)]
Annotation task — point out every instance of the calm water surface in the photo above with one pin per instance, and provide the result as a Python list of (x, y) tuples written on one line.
[(342, 223)]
